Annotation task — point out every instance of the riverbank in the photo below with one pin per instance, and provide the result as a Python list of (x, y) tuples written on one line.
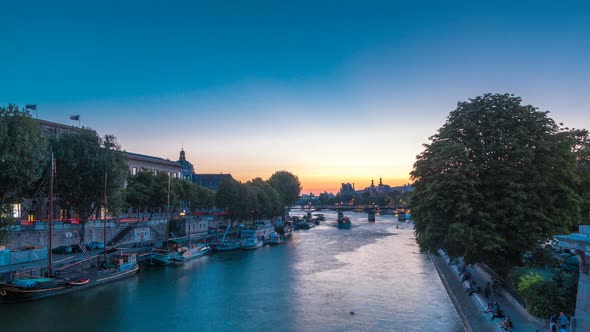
[(471, 308)]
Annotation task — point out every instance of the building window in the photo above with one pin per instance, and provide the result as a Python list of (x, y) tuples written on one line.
[(133, 170), (16, 210), (31, 217)]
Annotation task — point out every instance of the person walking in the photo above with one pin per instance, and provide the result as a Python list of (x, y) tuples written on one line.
[(553, 323), (563, 320)]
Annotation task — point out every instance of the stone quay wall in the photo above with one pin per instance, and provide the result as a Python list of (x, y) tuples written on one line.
[(37, 235)]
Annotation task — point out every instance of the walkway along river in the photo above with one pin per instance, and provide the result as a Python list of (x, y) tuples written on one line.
[(369, 278)]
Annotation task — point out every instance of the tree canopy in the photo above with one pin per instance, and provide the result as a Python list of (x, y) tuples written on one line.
[(23, 152), (248, 201), (498, 179), (82, 160), (287, 185)]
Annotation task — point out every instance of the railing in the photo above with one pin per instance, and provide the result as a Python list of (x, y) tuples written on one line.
[(504, 284)]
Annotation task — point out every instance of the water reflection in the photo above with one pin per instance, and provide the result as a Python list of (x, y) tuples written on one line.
[(311, 282)]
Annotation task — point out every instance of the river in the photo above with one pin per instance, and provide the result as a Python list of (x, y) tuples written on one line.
[(369, 278)]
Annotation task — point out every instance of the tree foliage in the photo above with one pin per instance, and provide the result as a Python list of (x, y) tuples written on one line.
[(498, 179), (82, 160), (287, 185), (23, 152), (23, 156), (248, 201)]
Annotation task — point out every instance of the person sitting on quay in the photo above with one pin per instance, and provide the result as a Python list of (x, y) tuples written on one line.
[(466, 275), (507, 324), (492, 307), (497, 313), (473, 288)]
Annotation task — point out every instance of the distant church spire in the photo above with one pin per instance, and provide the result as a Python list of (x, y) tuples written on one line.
[(380, 181), (182, 156), (372, 183)]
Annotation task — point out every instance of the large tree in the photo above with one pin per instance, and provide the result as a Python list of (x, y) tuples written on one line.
[(497, 179), (23, 151), (83, 159), (287, 185), (23, 156), (232, 196)]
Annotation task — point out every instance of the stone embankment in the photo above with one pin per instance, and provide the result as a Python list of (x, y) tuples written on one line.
[(472, 308)]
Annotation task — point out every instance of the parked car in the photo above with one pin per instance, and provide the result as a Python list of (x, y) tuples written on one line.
[(94, 245), (62, 250)]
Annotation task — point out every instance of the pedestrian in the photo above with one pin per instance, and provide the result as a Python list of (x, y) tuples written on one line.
[(563, 321), (487, 291), (495, 287), (553, 323)]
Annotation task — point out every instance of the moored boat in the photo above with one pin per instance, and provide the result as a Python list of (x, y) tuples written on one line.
[(24, 288), (163, 257), (227, 246), (194, 252), (275, 239), (251, 243)]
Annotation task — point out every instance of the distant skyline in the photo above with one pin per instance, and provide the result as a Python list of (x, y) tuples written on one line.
[(332, 91)]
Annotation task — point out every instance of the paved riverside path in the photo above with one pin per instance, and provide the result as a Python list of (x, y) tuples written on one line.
[(473, 306), (472, 312), (521, 319)]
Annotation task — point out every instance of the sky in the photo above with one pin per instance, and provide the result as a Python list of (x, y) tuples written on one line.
[(332, 91)]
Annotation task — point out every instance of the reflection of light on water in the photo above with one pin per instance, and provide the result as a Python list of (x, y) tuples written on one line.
[(373, 271), (309, 283)]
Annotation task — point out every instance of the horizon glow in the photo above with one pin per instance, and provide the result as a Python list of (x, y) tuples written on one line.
[(332, 92)]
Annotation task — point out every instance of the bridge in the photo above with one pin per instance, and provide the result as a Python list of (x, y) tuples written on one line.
[(358, 208)]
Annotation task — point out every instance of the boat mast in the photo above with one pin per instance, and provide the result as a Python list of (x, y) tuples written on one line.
[(168, 221), (104, 232), (52, 174)]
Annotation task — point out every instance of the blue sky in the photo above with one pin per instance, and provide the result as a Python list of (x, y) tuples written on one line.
[(334, 91)]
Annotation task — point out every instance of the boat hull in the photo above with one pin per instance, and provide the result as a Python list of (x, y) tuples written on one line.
[(192, 254), (10, 293), (252, 246), (228, 247)]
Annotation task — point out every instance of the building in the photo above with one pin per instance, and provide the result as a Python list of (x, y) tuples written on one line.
[(141, 162), (210, 181), (55, 129), (187, 169)]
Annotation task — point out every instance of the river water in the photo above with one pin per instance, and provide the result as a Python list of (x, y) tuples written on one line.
[(369, 278)]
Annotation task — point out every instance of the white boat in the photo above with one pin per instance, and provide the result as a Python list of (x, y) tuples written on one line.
[(195, 251), (251, 243)]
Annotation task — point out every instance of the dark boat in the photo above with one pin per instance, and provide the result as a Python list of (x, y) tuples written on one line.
[(24, 288), (60, 281), (371, 216), (343, 222)]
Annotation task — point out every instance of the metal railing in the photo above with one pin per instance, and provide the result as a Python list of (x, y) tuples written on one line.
[(502, 283)]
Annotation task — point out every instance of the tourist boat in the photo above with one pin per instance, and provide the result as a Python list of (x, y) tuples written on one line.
[(371, 216), (343, 222), (25, 287), (275, 239), (251, 243)]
